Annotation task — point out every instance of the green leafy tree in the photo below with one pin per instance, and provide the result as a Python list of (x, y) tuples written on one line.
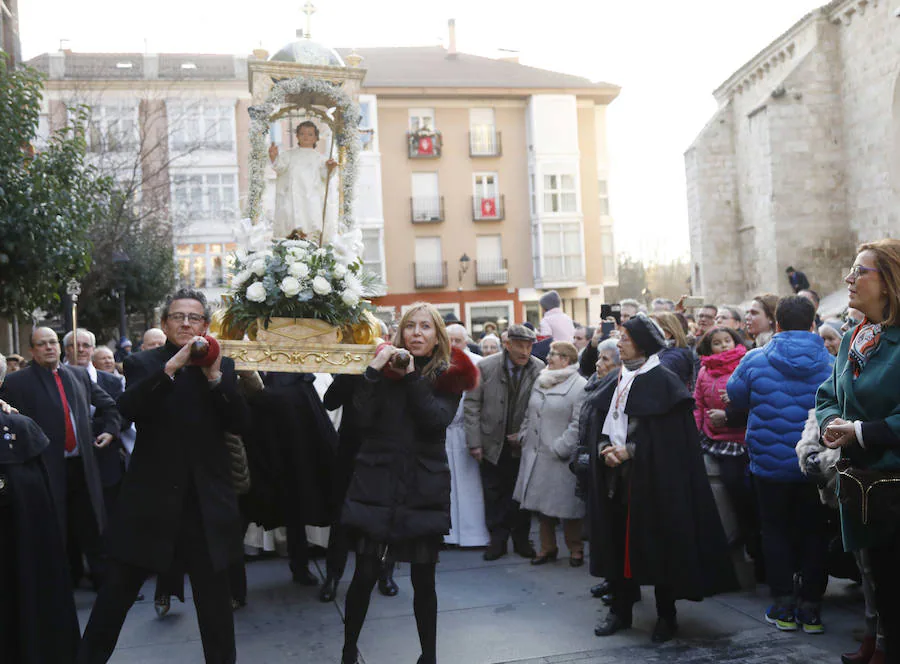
[(48, 201)]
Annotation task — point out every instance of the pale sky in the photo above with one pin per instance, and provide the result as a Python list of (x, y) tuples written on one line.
[(667, 57)]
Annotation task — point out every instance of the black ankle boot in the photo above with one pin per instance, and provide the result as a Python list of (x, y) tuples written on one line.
[(387, 586)]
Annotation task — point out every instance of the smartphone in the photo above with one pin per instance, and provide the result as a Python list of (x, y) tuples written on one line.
[(693, 301), (606, 328), (611, 310)]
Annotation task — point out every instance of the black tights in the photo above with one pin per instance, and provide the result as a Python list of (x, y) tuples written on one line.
[(368, 569)]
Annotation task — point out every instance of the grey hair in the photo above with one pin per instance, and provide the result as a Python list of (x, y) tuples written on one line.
[(735, 312), (2, 368), (81, 330), (612, 346), (100, 349), (630, 302), (186, 294), (489, 337), (457, 327)]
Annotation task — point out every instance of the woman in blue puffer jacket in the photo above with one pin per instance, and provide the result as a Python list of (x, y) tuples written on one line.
[(777, 384)]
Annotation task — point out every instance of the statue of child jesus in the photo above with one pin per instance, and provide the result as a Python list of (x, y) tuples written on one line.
[(300, 189)]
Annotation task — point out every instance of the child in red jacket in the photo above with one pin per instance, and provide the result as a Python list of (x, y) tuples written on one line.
[(721, 350)]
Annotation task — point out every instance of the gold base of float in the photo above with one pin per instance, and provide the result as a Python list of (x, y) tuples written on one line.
[(299, 345)]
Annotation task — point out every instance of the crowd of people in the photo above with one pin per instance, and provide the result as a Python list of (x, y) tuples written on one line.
[(620, 435)]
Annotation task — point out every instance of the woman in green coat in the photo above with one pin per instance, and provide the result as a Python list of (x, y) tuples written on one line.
[(858, 410)]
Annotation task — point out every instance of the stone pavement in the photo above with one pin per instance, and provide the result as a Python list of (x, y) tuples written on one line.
[(505, 612)]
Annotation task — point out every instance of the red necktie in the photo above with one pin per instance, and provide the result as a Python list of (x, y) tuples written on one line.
[(70, 430)]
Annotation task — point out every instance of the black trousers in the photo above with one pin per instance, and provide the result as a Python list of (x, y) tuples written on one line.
[(212, 597), (734, 473), (794, 538), (503, 515), (82, 532), (886, 572)]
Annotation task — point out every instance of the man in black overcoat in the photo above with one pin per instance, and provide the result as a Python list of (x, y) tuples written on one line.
[(37, 391), (177, 506), (37, 610)]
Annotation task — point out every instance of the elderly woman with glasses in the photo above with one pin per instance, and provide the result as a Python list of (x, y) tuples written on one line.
[(549, 436)]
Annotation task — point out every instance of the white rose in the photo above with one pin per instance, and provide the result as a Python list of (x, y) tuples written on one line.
[(258, 267), (350, 298), (340, 270), (321, 252), (290, 258), (299, 270), (241, 277), (321, 286), (290, 286), (256, 292)]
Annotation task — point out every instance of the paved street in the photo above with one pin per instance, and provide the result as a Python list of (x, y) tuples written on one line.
[(506, 612)]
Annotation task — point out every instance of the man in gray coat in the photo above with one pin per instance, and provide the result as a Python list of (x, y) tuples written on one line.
[(493, 414)]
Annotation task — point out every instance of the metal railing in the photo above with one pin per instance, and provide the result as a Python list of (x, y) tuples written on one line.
[(491, 272), (426, 209), (488, 208), (430, 275), (485, 144)]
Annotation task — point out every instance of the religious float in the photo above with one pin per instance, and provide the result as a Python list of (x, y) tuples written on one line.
[(298, 297)]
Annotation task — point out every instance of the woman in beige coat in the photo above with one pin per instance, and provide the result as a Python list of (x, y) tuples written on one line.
[(549, 436)]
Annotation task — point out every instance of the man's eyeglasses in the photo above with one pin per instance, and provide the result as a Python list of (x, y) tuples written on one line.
[(179, 318), (858, 270)]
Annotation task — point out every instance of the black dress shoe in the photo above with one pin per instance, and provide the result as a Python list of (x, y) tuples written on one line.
[(524, 549), (328, 591), (611, 624), (545, 558), (608, 599), (304, 577), (600, 589), (495, 550), (576, 561), (388, 587), (664, 631)]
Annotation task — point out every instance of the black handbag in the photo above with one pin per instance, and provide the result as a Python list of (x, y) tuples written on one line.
[(874, 495)]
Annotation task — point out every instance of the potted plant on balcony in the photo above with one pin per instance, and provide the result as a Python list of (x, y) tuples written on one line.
[(425, 142)]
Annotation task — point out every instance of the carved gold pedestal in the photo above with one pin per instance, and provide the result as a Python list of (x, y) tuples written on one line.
[(299, 346)]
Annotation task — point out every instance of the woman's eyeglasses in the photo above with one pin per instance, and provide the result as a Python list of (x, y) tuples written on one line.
[(858, 270)]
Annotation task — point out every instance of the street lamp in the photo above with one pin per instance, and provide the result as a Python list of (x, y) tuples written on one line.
[(464, 261), (120, 258)]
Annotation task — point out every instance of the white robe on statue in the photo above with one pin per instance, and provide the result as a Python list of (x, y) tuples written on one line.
[(467, 526), (300, 195)]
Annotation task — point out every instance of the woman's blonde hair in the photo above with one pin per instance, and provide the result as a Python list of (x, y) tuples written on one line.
[(440, 358), (669, 323), (566, 350), (887, 260)]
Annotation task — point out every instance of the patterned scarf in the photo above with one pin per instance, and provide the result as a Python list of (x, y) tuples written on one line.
[(863, 344)]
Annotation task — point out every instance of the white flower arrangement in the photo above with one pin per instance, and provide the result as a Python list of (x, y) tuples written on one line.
[(345, 119), (297, 279)]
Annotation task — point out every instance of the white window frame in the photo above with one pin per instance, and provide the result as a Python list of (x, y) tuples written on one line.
[(379, 231), (227, 212), (561, 227), (423, 208), (483, 135), (100, 120), (208, 257), (419, 113), (603, 189), (181, 113), (370, 128), (558, 193)]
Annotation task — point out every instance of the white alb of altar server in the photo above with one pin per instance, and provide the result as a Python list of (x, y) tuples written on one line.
[(467, 526), (303, 174)]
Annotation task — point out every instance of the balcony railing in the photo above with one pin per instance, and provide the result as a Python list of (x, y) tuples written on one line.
[(424, 145), (488, 208), (491, 272), (431, 275), (485, 144), (426, 209)]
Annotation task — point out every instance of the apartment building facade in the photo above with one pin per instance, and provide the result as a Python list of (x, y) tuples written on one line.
[(481, 182)]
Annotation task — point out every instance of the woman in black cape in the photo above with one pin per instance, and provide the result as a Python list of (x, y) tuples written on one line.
[(653, 517)]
